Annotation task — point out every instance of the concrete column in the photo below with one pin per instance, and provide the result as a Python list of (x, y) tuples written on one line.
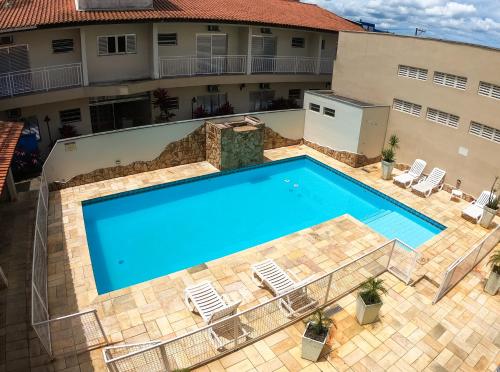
[(11, 186), (155, 73), (83, 49), (318, 63), (249, 51)]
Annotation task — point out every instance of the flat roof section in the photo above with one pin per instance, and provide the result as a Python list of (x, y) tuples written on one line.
[(330, 94)]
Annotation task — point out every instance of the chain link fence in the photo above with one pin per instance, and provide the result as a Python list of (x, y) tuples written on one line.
[(463, 265), (215, 340)]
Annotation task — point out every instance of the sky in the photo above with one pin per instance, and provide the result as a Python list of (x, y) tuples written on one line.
[(472, 21)]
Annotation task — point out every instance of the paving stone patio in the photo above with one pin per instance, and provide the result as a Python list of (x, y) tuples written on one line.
[(413, 334)]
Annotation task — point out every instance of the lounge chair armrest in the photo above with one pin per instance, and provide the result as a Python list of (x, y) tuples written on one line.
[(422, 179)]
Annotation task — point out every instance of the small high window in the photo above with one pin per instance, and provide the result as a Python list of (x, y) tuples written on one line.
[(489, 90), (117, 44), (314, 107), (167, 39), (412, 72), (70, 116), (484, 131), (328, 112), (173, 103), (62, 45), (298, 42), (449, 80), (406, 107), (442, 117)]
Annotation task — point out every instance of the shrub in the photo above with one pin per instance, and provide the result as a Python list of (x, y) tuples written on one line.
[(372, 290), (162, 101)]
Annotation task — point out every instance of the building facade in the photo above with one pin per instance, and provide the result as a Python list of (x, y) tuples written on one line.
[(97, 70), (444, 99)]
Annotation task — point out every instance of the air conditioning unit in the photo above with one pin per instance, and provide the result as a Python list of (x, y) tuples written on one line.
[(265, 30), (213, 88), (6, 40), (264, 86), (214, 28)]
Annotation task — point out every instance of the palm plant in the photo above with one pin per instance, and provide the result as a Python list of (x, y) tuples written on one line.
[(494, 261), (319, 323), (372, 290), (394, 142), (163, 101), (388, 155), (493, 200)]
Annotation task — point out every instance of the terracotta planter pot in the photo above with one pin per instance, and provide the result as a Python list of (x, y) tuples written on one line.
[(492, 284), (487, 217), (311, 349), (367, 313), (387, 170)]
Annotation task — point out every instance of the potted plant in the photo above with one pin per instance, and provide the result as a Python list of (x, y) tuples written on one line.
[(491, 208), (369, 301), (163, 101), (493, 283), (315, 335), (388, 157)]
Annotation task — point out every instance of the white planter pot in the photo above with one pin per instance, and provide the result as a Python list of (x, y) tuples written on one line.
[(492, 284), (311, 349), (387, 170), (487, 217), (366, 313)]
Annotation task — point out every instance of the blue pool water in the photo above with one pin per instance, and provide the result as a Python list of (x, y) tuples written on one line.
[(138, 236)]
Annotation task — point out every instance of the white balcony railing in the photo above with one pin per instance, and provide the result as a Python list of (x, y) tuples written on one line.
[(40, 79), (192, 65), (326, 65), (284, 65)]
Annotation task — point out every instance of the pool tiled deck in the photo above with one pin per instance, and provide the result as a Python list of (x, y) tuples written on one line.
[(413, 334)]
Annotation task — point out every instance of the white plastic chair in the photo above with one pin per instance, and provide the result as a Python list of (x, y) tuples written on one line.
[(475, 209), (407, 178), (268, 273), (213, 307), (434, 181)]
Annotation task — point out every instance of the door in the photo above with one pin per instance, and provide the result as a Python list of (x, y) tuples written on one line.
[(263, 53), (14, 61), (211, 50)]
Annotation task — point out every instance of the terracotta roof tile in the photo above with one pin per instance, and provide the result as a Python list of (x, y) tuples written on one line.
[(16, 14), (9, 135)]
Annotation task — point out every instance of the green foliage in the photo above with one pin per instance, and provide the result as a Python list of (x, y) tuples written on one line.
[(372, 290), (394, 142), (161, 99), (494, 261), (319, 323), (388, 155), (493, 200)]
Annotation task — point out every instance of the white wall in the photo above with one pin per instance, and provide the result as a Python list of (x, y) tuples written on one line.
[(143, 143), (341, 132)]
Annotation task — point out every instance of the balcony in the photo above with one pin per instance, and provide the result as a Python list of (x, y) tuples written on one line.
[(41, 79), (180, 66)]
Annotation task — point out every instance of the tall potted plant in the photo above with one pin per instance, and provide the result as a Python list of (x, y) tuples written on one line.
[(315, 335), (491, 208), (493, 283), (369, 300), (388, 157), (163, 101)]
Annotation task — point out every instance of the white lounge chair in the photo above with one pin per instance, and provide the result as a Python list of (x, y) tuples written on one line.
[(475, 209), (268, 273), (434, 181), (213, 308), (407, 178)]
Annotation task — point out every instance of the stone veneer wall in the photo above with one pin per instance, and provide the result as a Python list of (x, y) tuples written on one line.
[(190, 149), (273, 140), (350, 158)]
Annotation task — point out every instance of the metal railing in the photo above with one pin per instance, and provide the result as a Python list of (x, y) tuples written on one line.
[(284, 65), (463, 265), (40, 79), (326, 65), (81, 330), (192, 65), (199, 347)]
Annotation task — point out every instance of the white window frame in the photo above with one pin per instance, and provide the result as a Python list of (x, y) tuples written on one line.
[(312, 104), (116, 45), (71, 47), (66, 122), (406, 107), (170, 34), (484, 131), (411, 72), (443, 118), (449, 80), (490, 90), (327, 111)]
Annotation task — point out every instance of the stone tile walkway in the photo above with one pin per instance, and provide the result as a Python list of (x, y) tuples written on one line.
[(154, 310)]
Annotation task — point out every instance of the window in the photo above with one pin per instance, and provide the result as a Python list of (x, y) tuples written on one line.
[(323, 44), (261, 100), (294, 94), (484, 131), (412, 72), (298, 42), (62, 45), (441, 117), (449, 80), (489, 90), (328, 112), (172, 103), (167, 39), (70, 116), (314, 107), (6, 40), (406, 107), (211, 102), (118, 44), (265, 30)]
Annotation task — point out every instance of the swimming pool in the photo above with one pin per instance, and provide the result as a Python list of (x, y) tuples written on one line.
[(147, 233)]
